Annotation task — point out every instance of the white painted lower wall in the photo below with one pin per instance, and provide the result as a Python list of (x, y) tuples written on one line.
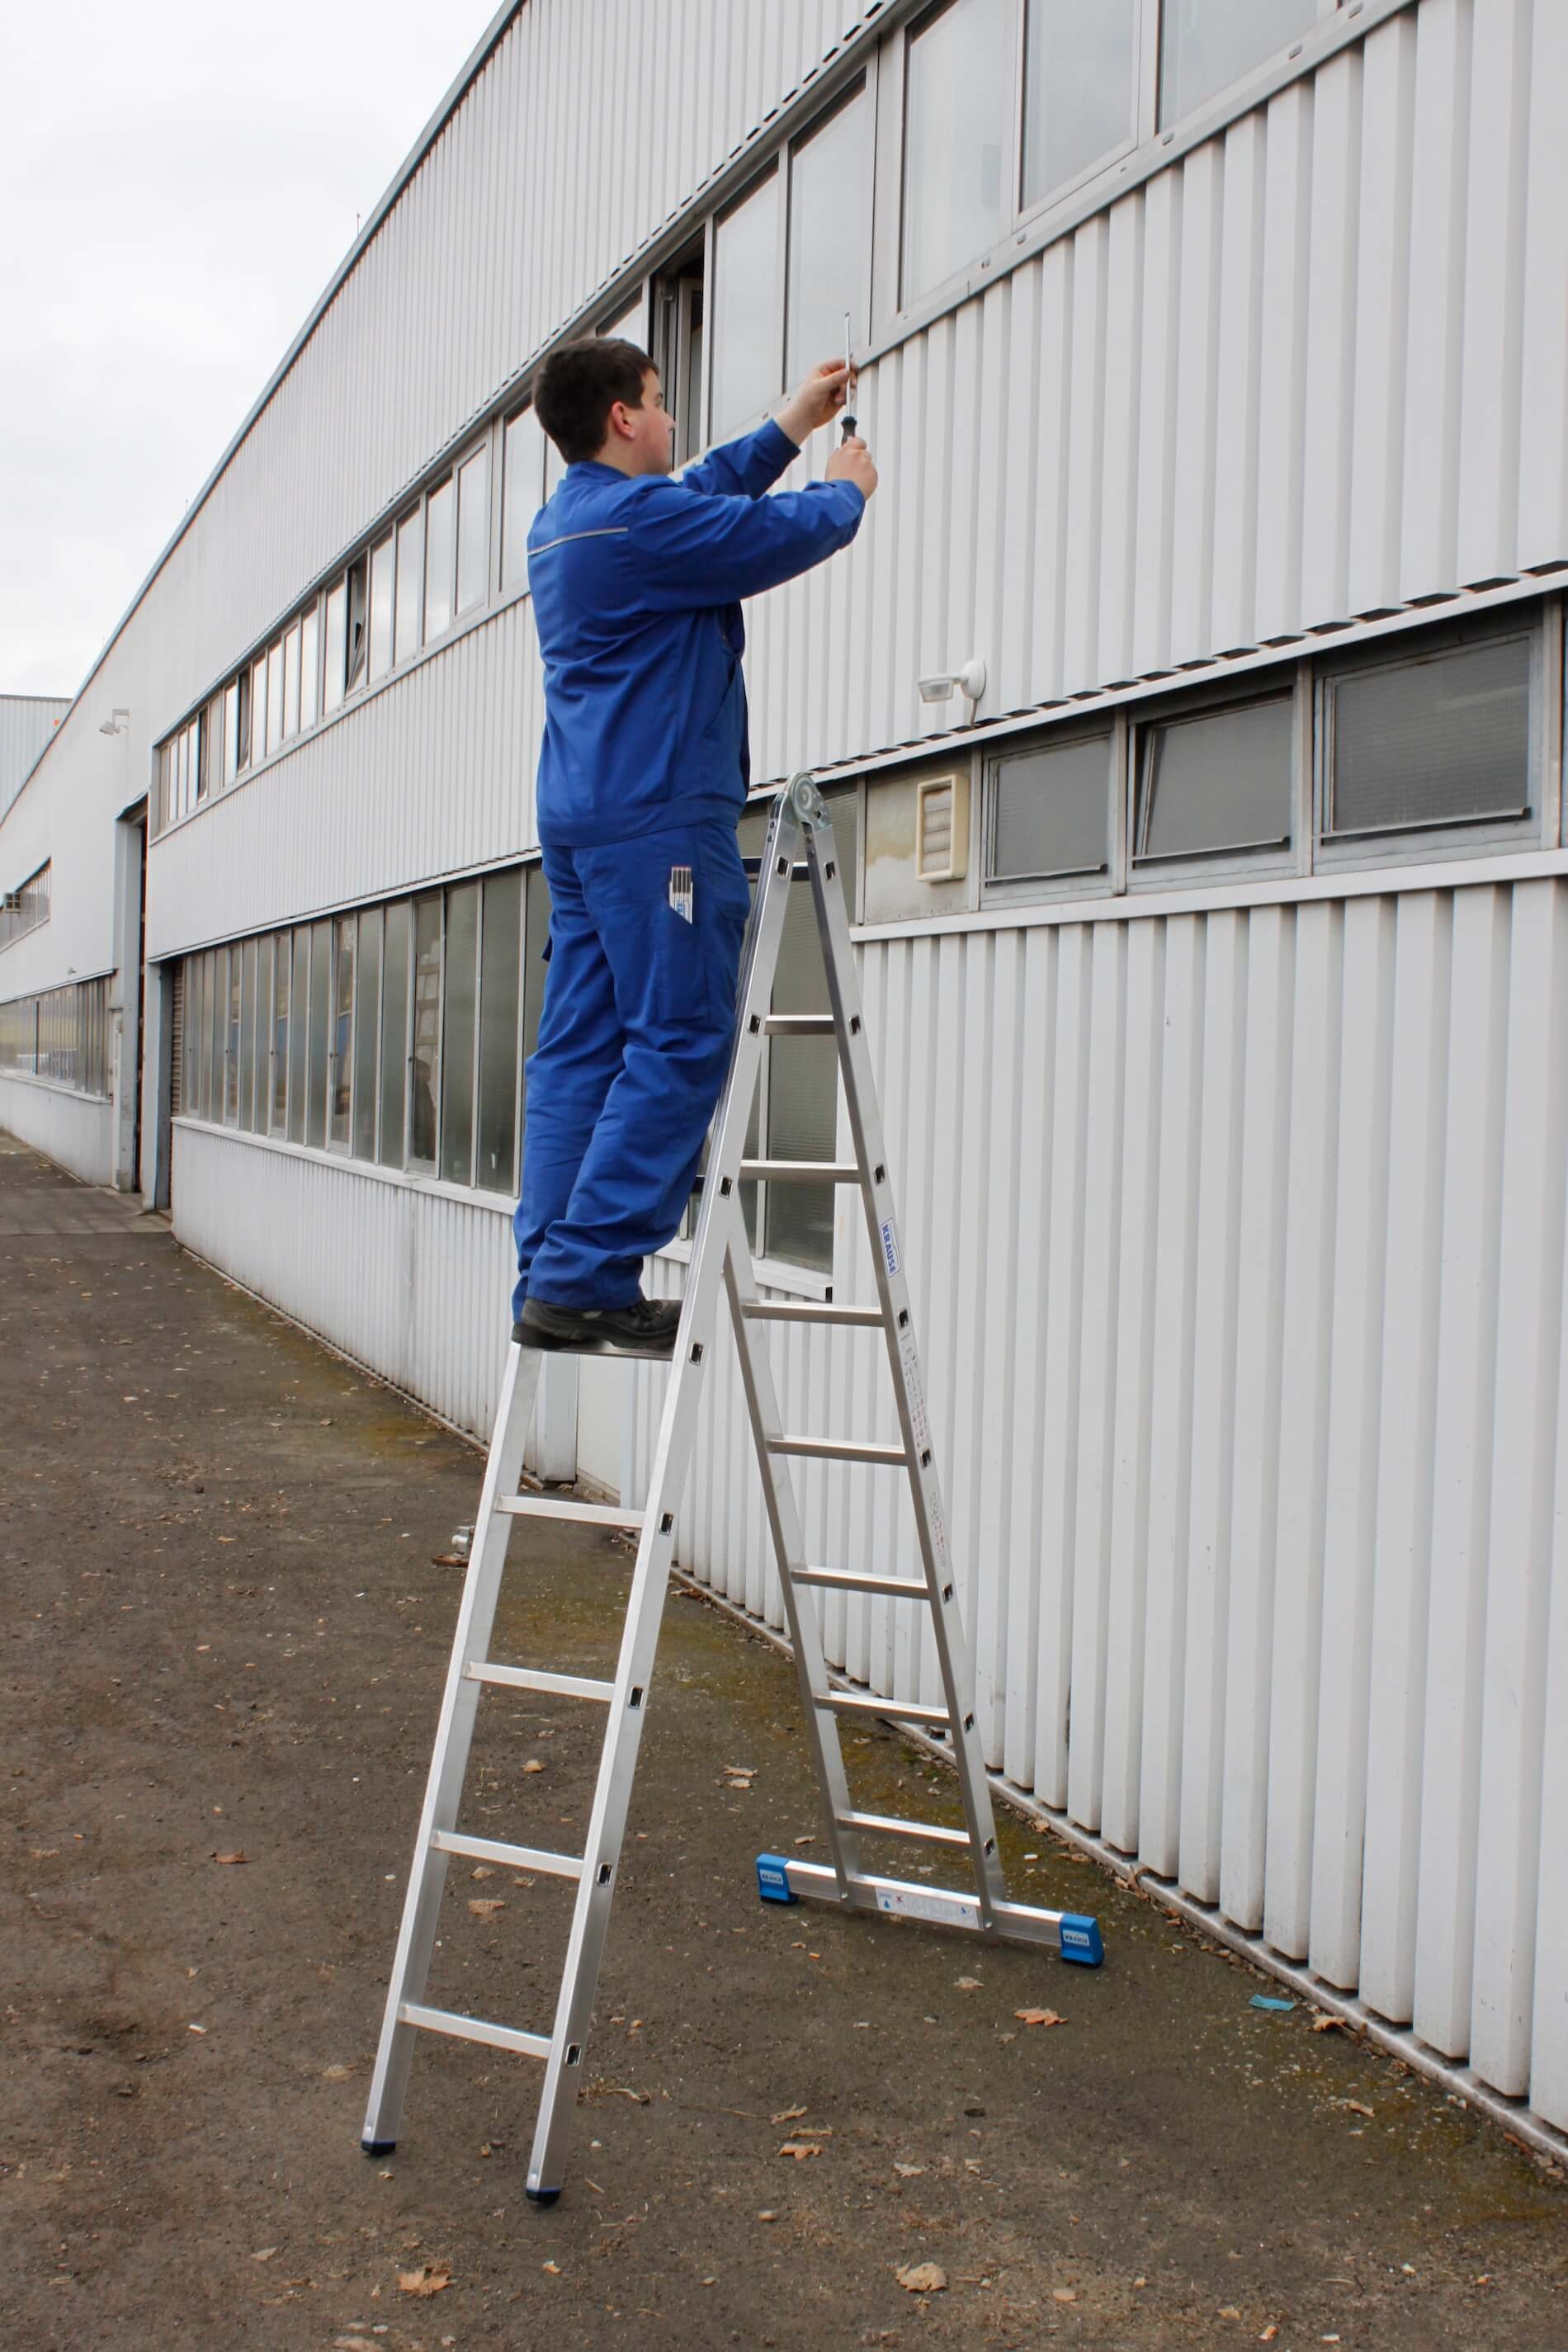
[(74, 1131), (1236, 1244)]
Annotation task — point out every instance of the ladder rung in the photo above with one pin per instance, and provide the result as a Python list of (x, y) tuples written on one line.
[(563, 1506), (855, 1579), (799, 1172), (529, 1678), (756, 866), (799, 1025), (474, 2028), (895, 1710), (837, 1449), (509, 1857), (890, 1825), (803, 1310)]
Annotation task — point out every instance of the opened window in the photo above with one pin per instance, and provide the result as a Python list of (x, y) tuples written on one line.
[(1218, 784)]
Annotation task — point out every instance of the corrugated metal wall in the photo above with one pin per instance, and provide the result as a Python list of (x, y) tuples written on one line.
[(1236, 1242), (76, 1130), (26, 723)]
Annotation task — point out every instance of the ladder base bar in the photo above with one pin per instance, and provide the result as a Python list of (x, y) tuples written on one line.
[(481, 1670), (473, 2029), (890, 1825), (798, 1025), (802, 1310), (834, 1449), (1015, 1923), (509, 1857), (853, 1579), (563, 1506), (891, 1710), (799, 1172)]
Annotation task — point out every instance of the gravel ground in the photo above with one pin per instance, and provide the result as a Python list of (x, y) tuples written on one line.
[(225, 1562)]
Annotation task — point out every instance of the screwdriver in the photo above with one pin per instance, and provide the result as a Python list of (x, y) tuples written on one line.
[(850, 421)]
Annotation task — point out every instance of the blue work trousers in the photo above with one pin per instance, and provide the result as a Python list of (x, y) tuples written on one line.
[(634, 1041)]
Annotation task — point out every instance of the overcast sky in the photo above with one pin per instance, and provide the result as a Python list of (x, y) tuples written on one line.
[(178, 180)]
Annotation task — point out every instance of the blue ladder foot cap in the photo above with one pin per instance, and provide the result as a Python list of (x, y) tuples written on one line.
[(773, 1879), (377, 2146), (1081, 1939), (541, 2196)]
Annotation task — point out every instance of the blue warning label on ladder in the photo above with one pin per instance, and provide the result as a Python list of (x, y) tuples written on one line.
[(890, 1246)]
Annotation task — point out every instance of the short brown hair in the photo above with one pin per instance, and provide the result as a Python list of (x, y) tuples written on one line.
[(579, 385)]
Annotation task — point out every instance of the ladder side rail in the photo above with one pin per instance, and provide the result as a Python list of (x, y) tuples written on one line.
[(656, 1547), (454, 1735), (903, 1359), (789, 1551)]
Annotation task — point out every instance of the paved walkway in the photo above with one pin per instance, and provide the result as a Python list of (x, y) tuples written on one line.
[(228, 1605)]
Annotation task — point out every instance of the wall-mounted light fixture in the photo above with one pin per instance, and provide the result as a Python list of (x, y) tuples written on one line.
[(119, 723), (969, 681)]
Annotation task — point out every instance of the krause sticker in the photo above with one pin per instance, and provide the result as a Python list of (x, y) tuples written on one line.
[(890, 1247)]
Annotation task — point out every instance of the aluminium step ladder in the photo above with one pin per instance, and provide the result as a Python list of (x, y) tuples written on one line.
[(800, 848)]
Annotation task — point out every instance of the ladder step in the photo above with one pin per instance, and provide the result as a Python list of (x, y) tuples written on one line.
[(834, 1449), (474, 2028), (529, 1678), (509, 1857), (853, 1580), (799, 1025), (799, 1172), (803, 1310), (893, 1710), (888, 1824), (563, 1506)]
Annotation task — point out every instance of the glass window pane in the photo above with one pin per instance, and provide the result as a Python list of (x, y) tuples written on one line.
[(275, 695), (245, 1113), (829, 238), (231, 759), (357, 645), (334, 646), (535, 940), (460, 987), (439, 542), (522, 485), (242, 734), (500, 1009), (956, 137), (474, 530), (1216, 783), (394, 1035), (746, 312), (258, 709), (1206, 44), (1052, 812), (309, 683), (279, 1118), (345, 932), (410, 584), (425, 1064), (320, 1033), (1433, 742), (299, 1029), (231, 1039), (1080, 82), (381, 579), (217, 1021), (291, 681), (627, 325)]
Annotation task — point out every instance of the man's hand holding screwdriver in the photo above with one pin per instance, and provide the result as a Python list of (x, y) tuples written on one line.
[(819, 399)]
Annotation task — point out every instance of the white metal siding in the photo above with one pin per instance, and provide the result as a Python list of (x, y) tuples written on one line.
[(26, 723), (74, 1131), (1238, 1254)]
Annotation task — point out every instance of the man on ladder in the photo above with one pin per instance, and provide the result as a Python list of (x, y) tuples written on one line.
[(636, 580)]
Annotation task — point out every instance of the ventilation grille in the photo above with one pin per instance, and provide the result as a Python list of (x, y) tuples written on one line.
[(941, 829)]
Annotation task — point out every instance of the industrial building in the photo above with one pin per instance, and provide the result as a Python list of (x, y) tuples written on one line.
[(1214, 949)]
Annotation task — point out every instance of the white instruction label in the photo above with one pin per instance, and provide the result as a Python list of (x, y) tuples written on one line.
[(909, 1904)]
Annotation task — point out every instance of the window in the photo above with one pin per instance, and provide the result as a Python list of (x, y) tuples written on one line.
[(677, 352), (319, 1041), (309, 683), (1440, 740), (61, 1035), (955, 140), (280, 1112), (258, 709), (245, 1113), (424, 1063), (500, 947), (1215, 784), (344, 933), (229, 962), (217, 1023), (367, 1018), (275, 695), (21, 910), (383, 561), (299, 1018), (334, 646), (746, 311), (1206, 44), (1050, 814), (460, 1005), (522, 489), (439, 544), (394, 1035), (242, 721), (410, 584), (355, 656), (829, 237), (629, 324), (291, 681), (231, 759), (474, 530), (1080, 89)]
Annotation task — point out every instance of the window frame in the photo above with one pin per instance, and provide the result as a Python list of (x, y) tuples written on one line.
[(1264, 861), (1022, 890), (777, 170), (860, 318)]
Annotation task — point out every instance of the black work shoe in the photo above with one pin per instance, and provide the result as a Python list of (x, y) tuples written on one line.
[(645, 1328)]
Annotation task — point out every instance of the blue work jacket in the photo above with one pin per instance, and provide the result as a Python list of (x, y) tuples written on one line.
[(636, 583)]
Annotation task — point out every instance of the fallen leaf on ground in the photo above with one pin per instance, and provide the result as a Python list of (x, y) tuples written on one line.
[(968, 1984), (336, 2074), (787, 2116), (534, 1765), (264, 2254), (1038, 2017), (447, 1559), (1323, 2023), (1228, 2311), (1064, 2294), (1270, 2331), (922, 2278), (800, 2149), (484, 1907), (554, 2268), (806, 1841), (1356, 2107), (482, 1870), (429, 2279), (907, 2171), (238, 1854)]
